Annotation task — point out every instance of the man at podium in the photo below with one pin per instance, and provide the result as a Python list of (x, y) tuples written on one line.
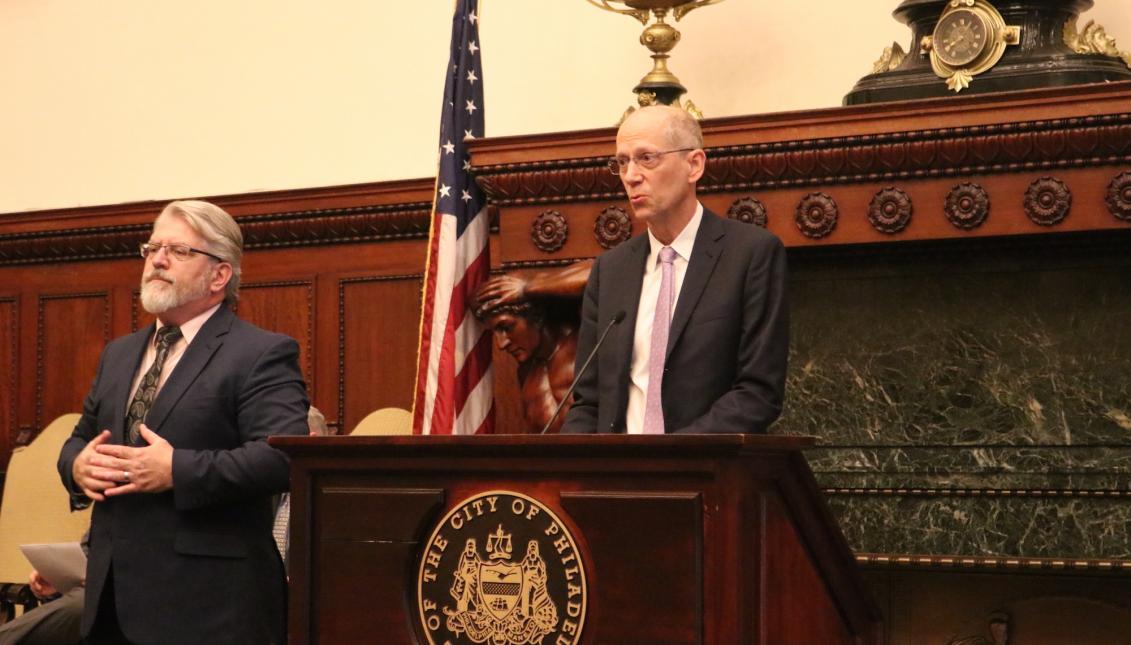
[(688, 323)]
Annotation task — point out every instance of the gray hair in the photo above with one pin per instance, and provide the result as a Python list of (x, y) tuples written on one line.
[(221, 234)]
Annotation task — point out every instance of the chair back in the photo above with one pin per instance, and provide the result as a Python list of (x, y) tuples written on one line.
[(386, 421), (36, 508)]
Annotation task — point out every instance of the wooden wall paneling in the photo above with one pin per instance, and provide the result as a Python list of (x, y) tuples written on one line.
[(379, 326), (9, 313), (285, 308), (957, 608), (72, 329)]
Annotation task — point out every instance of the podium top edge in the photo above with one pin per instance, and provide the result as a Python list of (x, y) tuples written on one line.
[(700, 443)]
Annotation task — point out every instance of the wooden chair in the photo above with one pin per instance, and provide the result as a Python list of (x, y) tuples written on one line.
[(35, 509), (386, 421)]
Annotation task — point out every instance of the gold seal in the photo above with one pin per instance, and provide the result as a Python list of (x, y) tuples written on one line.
[(473, 587)]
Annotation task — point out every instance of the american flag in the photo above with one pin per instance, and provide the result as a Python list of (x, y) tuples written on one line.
[(454, 381)]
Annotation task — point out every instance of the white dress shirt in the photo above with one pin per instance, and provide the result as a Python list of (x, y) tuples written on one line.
[(176, 351), (646, 311)]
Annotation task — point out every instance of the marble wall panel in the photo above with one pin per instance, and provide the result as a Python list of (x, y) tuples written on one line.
[(969, 399)]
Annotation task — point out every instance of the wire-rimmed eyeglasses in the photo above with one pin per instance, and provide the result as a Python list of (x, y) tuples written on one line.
[(646, 160), (180, 252)]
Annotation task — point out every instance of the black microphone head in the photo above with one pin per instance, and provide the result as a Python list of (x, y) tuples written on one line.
[(618, 317)]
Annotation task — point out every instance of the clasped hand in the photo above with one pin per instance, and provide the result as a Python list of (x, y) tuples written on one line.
[(104, 470)]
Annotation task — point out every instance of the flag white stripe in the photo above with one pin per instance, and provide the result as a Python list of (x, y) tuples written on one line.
[(478, 404)]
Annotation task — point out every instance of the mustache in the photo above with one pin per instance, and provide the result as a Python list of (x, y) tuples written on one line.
[(158, 274)]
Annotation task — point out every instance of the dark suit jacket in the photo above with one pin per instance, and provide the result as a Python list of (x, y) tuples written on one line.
[(729, 339), (197, 564)]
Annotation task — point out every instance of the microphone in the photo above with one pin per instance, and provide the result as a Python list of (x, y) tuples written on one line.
[(617, 318)]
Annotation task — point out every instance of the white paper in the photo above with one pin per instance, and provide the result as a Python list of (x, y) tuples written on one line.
[(63, 564)]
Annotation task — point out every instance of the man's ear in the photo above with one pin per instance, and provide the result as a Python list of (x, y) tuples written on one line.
[(221, 274), (697, 160)]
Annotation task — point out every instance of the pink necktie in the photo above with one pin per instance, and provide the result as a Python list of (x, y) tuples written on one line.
[(653, 407)]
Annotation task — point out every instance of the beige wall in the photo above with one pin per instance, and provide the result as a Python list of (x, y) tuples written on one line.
[(123, 100)]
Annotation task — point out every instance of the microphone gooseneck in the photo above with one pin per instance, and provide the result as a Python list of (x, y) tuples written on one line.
[(617, 318)]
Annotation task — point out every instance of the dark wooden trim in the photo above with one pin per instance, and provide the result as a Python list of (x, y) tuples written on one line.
[(310, 311), (337, 215), (1005, 564)]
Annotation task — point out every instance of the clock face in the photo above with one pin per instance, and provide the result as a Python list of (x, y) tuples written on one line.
[(960, 37)]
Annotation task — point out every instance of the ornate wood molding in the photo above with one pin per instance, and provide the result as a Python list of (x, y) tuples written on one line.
[(330, 215), (269, 231), (1023, 146)]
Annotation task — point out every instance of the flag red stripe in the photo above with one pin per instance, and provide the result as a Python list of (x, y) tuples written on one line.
[(449, 387), (478, 360)]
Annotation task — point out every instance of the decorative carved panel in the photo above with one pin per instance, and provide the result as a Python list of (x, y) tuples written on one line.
[(549, 231), (749, 210), (890, 211), (71, 332), (267, 231), (286, 308), (989, 149), (612, 227), (1047, 201), (1119, 196), (967, 206), (377, 342), (816, 215)]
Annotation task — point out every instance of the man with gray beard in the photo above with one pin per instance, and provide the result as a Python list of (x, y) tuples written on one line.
[(172, 450)]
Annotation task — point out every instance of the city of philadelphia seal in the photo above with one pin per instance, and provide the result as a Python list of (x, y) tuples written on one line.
[(501, 568)]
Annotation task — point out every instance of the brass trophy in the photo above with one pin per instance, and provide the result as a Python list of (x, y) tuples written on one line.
[(659, 86)]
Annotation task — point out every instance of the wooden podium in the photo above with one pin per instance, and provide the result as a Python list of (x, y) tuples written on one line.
[(599, 539)]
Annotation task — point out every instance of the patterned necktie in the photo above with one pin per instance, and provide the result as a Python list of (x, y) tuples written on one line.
[(147, 388), (653, 407)]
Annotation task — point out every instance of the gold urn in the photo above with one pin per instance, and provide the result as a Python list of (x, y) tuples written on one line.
[(659, 86)]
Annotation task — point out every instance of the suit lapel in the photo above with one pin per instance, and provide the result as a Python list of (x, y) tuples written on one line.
[(120, 396), (629, 274), (196, 357), (704, 256)]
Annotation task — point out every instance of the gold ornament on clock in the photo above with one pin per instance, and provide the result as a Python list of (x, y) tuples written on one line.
[(969, 38)]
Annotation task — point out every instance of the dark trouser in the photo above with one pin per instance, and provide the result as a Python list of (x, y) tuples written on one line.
[(54, 623), (106, 630)]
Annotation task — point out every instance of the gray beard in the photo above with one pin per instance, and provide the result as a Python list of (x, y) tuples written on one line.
[(157, 296)]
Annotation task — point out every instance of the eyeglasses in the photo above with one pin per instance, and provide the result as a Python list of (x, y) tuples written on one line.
[(646, 160), (180, 252)]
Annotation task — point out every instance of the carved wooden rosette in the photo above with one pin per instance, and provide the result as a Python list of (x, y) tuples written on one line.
[(748, 210), (549, 231), (967, 206), (1119, 196), (816, 215), (1047, 201), (890, 211), (612, 227)]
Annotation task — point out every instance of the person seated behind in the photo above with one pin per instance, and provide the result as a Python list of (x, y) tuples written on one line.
[(316, 422), (57, 621)]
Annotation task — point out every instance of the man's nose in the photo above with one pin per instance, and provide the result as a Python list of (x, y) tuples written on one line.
[(631, 174), (160, 257)]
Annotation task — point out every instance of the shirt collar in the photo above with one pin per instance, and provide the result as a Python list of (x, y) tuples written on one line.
[(685, 241), (192, 326)]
